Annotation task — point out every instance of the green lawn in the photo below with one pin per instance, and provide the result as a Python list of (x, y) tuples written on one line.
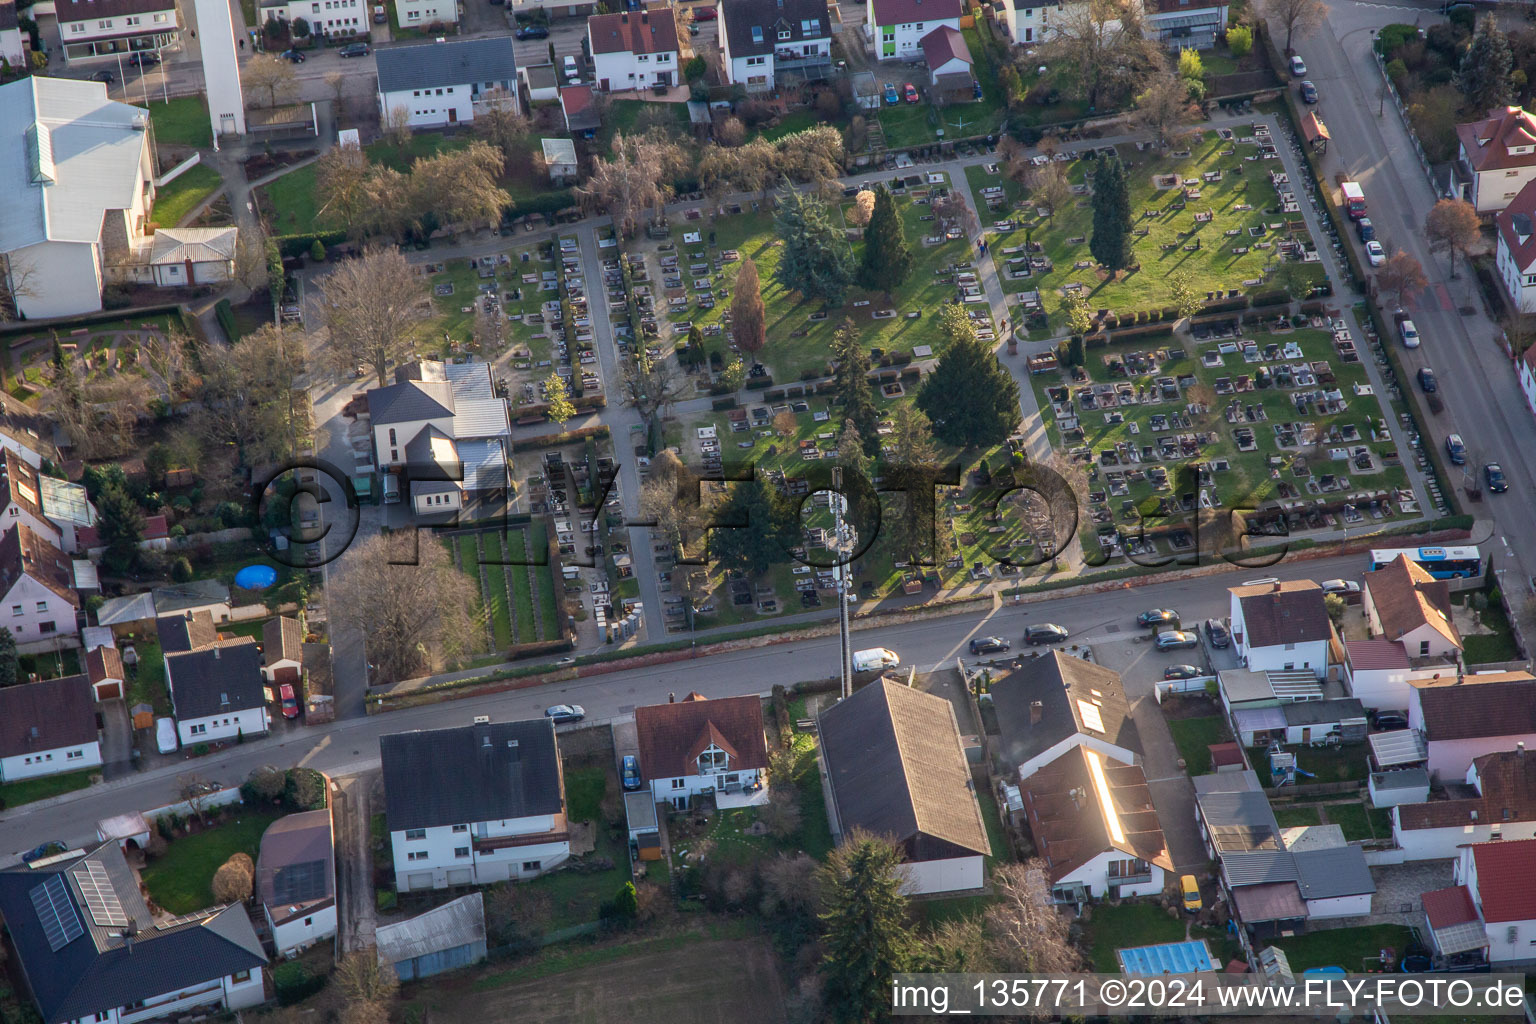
[(789, 124), (631, 116), (496, 582), (469, 563), (49, 664), (14, 794), (917, 124), (181, 196), (544, 583), (1193, 735), (1339, 764), (522, 588), (1126, 926), (1344, 947), (182, 122), (576, 896), (180, 880), (1360, 822), (1482, 648), (1300, 814), (584, 791), (147, 685)]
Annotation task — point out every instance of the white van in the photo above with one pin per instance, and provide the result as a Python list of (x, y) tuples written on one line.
[(165, 735), (1410, 334), (572, 71), (391, 488)]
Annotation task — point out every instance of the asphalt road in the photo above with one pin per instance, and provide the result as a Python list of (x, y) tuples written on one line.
[(1482, 397), (351, 745)]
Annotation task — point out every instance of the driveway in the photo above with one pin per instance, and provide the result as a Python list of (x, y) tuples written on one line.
[(1399, 897), (116, 738), (355, 801)]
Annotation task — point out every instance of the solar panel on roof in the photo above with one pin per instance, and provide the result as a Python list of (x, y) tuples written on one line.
[(299, 882), (100, 897), (61, 925)]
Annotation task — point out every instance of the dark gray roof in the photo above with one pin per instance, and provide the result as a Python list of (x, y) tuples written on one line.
[(412, 400), (216, 680), (295, 861), (1323, 712), (1059, 681), (481, 772), (1245, 781), (897, 768), (1340, 871), (1256, 867), (97, 970), (7, 14), (46, 715), (459, 62), (737, 18), (185, 631)]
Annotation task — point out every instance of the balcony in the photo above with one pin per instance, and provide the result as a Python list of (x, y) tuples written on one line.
[(1123, 880), (786, 60)]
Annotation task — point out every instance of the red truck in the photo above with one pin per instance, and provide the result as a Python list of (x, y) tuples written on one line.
[(1354, 197)]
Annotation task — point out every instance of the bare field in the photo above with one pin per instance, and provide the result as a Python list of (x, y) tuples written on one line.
[(698, 983)]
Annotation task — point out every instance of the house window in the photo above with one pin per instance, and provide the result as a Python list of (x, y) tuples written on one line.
[(73, 754), (461, 851), (887, 35), (238, 978), (757, 35), (412, 834), (1423, 648), (392, 441), (461, 828), (713, 759), (808, 26), (532, 865), (416, 855), (104, 24), (42, 606), (1290, 647), (15, 609), (77, 27), (1511, 174), (784, 33), (677, 783), (307, 922), (1127, 868), (199, 729)]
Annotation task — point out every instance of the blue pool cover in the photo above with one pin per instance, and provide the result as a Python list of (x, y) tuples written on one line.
[(256, 577), (1169, 958)]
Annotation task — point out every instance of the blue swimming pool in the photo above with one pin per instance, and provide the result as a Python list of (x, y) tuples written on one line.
[(1168, 958), (256, 577)]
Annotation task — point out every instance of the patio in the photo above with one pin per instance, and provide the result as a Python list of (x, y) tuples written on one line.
[(731, 801)]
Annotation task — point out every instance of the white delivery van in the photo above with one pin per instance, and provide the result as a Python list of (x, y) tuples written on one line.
[(1410, 334), (391, 488), (875, 658), (165, 735)]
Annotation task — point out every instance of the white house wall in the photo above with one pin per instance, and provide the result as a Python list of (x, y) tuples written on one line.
[(1515, 287), (1339, 906), (394, 454), (421, 13), (1440, 843), (905, 41), (51, 762), (296, 933), (1094, 876), (443, 867), (623, 70), (954, 874), (1452, 758), (665, 791), (1380, 688), (65, 279), (213, 728), (29, 606), (1312, 655), (455, 105)]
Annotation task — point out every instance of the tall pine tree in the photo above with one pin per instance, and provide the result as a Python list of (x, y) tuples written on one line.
[(120, 525), (1484, 75), (10, 669), (971, 399), (864, 926), (816, 261), (850, 380), (749, 322), (887, 258), (751, 530), (1111, 241)]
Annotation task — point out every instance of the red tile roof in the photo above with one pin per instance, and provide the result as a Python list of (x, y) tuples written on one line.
[(1495, 704), (1522, 249), (672, 735), (1223, 754), (1291, 612), (633, 32), (1448, 907), (102, 663), (907, 12), (46, 716), (1407, 598), (1488, 142), (943, 45), (1364, 655), (18, 483), (1506, 783), (1506, 885)]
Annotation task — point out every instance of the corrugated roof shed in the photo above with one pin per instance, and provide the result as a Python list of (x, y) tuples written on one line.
[(449, 926)]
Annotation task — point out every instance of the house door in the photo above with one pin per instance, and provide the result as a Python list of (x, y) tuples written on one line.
[(453, 115), (109, 691), (191, 273), (1306, 734), (605, 85), (664, 78)]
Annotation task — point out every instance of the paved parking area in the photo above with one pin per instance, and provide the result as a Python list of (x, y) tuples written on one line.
[(1399, 897)]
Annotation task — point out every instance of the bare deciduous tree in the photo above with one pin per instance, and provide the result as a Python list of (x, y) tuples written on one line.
[(653, 387), (18, 280), (460, 186), (194, 791), (1453, 225), (414, 608), (502, 127), (1102, 46), (1163, 107), (1025, 931), (247, 394), (1049, 188), (398, 127), (268, 71), (361, 978), (372, 306), (863, 206), (1402, 277), (955, 210), (341, 186), (1295, 15), (731, 132), (629, 183)]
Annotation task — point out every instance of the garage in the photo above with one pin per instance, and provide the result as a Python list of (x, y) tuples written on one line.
[(420, 880), (460, 876)]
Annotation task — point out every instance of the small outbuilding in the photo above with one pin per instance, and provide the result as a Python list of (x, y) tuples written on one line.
[(443, 939), (560, 159)]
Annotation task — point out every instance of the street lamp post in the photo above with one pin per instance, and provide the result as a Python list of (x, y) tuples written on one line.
[(842, 545)]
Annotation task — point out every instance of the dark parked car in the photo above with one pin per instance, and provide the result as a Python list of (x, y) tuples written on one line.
[(629, 772), (1390, 720), (292, 56), (989, 645), (1308, 92), (533, 32), (1366, 229), (562, 713), (1217, 634), (45, 850), (705, 14), (1182, 672), (1044, 633), (1174, 639), (1456, 449), (1158, 617), (354, 50), (1427, 380), (143, 59), (104, 75), (1493, 476)]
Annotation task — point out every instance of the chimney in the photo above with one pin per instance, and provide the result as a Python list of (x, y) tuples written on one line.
[(1277, 586), (1520, 748), (1036, 712), (671, 698)]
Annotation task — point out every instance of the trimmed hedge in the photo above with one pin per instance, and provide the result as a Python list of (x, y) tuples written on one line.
[(529, 444), (547, 202), (294, 246), (226, 318)]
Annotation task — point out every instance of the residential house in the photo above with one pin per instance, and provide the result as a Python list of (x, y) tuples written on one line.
[(578, 104), (634, 49), (191, 597), (296, 880), (1499, 879), (1455, 927), (1463, 717), (11, 49), (1528, 363), (40, 605), (426, 14), (1185, 24), (442, 939), (895, 766), (185, 631), (897, 27), (1281, 625), (217, 692), (475, 805), (448, 82), (760, 42), (21, 500), (1051, 704), (68, 508), (1496, 158), (46, 728), (1377, 673), (553, 9), (111, 29), (76, 171), (1402, 602), (282, 650), (448, 433), (1094, 825), (104, 668), (1515, 258), (696, 746), (1313, 721), (324, 17), (560, 160), (156, 536), (1497, 802), (949, 61), (86, 948), (188, 257)]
